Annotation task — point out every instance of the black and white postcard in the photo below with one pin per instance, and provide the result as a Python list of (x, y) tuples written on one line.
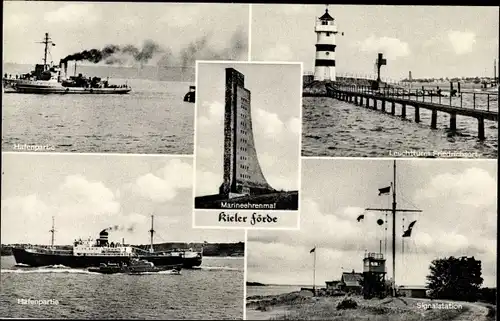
[(247, 153), (388, 239), (110, 236), (373, 88), (109, 76)]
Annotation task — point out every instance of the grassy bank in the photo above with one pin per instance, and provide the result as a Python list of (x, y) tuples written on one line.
[(302, 306)]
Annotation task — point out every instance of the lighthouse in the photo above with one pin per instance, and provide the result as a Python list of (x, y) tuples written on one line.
[(324, 66)]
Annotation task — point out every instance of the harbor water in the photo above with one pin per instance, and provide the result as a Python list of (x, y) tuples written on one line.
[(214, 291), (272, 289), (339, 129), (152, 119)]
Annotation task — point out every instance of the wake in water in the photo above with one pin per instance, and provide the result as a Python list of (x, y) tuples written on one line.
[(46, 270), (159, 272), (65, 269)]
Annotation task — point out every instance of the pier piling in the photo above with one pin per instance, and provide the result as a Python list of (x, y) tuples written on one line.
[(480, 128), (417, 114), (403, 110), (434, 116), (453, 121)]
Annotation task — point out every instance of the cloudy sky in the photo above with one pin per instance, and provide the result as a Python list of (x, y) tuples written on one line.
[(459, 217), (210, 29), (275, 105), (429, 41), (87, 193)]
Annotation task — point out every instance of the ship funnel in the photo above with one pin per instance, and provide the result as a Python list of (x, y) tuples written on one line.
[(103, 238)]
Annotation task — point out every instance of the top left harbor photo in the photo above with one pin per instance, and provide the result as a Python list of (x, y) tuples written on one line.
[(110, 77)]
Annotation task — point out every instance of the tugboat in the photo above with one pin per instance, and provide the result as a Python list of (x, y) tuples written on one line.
[(106, 268), (135, 266), (87, 253), (51, 79)]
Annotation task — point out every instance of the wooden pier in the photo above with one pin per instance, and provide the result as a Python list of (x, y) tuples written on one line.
[(381, 99)]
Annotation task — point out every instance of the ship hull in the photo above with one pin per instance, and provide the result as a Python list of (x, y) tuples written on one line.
[(192, 262), (37, 259), (159, 260)]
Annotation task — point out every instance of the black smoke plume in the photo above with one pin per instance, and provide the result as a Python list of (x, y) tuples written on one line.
[(120, 228), (110, 54), (199, 49)]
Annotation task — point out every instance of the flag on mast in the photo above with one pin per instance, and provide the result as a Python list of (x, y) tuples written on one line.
[(384, 190), (407, 233), (313, 250)]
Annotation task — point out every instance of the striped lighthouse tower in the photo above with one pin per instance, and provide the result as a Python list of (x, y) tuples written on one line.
[(325, 48)]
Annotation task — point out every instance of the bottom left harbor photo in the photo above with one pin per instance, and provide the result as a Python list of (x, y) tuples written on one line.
[(110, 236)]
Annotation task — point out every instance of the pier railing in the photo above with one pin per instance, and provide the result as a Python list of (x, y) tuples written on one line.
[(487, 101), (482, 106)]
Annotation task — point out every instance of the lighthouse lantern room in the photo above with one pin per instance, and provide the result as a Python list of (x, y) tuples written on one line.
[(324, 67)]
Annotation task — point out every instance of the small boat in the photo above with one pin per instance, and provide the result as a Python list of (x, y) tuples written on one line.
[(189, 97), (106, 268), (135, 266)]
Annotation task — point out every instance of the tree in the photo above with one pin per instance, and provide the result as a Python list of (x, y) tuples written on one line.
[(455, 278)]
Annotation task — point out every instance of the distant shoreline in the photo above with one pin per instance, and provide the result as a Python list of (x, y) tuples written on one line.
[(255, 284)]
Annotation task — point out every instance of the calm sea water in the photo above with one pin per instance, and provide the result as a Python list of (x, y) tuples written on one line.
[(271, 289), (152, 119), (335, 128), (215, 291)]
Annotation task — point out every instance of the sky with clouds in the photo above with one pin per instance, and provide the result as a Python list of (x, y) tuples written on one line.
[(429, 41), (75, 26), (87, 193), (458, 200), (275, 106)]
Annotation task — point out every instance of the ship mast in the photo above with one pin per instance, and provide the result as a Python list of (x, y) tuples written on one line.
[(46, 41), (151, 249), (52, 231), (394, 210), (495, 71), (394, 227)]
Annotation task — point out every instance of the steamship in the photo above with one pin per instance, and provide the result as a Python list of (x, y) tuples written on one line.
[(52, 79), (89, 253)]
